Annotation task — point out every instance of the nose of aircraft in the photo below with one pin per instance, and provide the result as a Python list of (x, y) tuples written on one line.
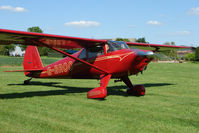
[(143, 57)]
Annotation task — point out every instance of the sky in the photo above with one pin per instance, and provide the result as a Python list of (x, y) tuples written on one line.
[(159, 21)]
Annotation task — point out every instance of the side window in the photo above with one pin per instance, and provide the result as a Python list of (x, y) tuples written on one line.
[(91, 52), (95, 51)]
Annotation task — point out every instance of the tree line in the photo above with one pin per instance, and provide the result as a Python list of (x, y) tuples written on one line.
[(5, 49), (193, 56)]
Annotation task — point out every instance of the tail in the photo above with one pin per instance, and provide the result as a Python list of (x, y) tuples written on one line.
[(32, 60)]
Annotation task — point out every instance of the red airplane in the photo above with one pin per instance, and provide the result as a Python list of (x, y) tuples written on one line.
[(97, 59)]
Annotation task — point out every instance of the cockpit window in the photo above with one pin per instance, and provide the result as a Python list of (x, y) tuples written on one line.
[(117, 45), (95, 51), (92, 52)]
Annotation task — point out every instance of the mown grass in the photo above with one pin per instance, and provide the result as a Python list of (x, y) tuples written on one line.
[(171, 103), (18, 61)]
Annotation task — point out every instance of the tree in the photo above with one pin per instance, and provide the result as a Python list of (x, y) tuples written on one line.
[(190, 56), (197, 54), (31, 29), (43, 51), (170, 43), (5, 49), (167, 43), (122, 39), (173, 43), (141, 40), (35, 29)]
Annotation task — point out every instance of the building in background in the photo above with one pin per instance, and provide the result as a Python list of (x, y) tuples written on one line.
[(182, 53), (17, 52)]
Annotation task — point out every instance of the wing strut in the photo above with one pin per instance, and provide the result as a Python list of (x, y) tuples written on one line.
[(62, 52)]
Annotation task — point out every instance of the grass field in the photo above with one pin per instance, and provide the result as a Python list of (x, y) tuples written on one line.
[(171, 103), (18, 61)]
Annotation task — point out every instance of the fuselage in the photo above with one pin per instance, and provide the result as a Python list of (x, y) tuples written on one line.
[(120, 62)]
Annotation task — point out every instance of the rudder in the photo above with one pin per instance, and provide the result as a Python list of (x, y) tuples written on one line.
[(32, 59)]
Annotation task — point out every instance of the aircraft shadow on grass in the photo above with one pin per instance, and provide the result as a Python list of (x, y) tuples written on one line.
[(112, 90)]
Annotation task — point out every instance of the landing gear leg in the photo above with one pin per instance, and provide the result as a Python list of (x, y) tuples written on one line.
[(135, 90), (27, 82), (100, 92)]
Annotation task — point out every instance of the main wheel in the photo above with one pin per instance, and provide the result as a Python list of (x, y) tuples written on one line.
[(137, 90)]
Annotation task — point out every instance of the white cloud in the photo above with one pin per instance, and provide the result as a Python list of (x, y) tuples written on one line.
[(181, 33), (13, 9), (82, 23), (194, 11), (153, 22)]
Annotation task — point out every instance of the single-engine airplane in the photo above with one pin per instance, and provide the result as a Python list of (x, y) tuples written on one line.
[(97, 59)]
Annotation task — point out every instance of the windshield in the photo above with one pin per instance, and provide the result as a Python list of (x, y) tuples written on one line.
[(117, 45)]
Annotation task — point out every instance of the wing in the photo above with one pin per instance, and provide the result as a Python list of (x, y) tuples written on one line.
[(50, 41), (155, 47), (58, 41)]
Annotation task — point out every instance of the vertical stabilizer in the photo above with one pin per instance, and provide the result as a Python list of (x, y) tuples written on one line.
[(32, 60)]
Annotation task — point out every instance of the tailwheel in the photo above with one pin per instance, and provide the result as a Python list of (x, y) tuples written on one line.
[(136, 90), (27, 82)]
